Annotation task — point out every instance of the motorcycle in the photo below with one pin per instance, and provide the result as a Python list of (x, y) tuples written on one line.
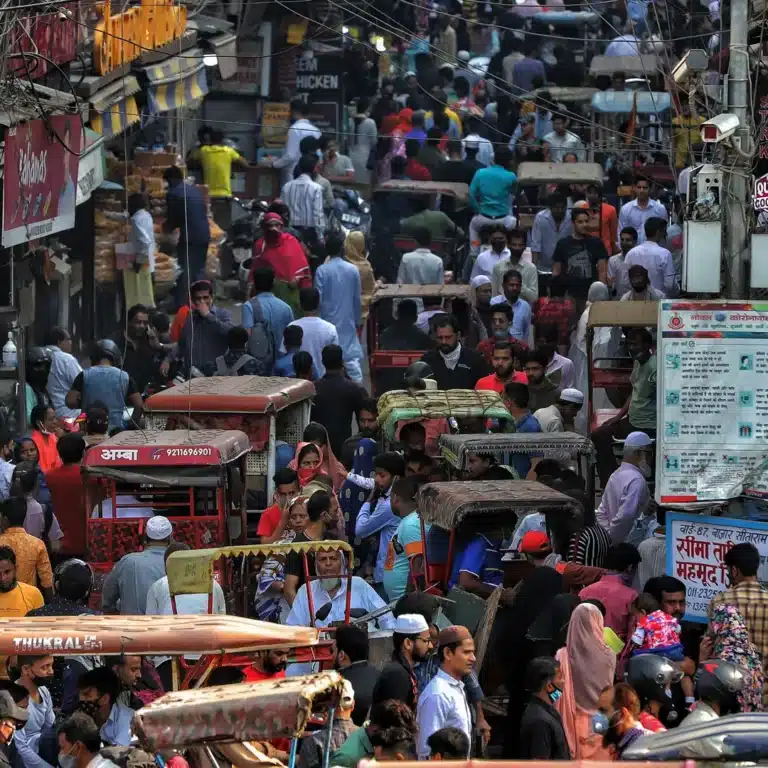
[(243, 233), (349, 213)]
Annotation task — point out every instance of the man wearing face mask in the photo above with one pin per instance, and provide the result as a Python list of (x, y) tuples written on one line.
[(80, 744), (454, 366), (98, 691), (13, 716), (35, 672), (542, 736), (516, 242), (626, 497), (521, 310)]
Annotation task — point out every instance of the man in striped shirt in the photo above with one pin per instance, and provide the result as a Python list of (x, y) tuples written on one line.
[(304, 199)]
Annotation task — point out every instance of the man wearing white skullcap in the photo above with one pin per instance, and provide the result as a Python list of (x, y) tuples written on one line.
[(126, 587), (560, 416)]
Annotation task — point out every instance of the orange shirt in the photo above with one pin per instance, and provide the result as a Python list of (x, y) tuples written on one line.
[(32, 561), (46, 447), (605, 225), (178, 324), (495, 384)]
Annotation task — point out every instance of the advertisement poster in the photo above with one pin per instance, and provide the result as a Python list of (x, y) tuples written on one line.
[(712, 401), (40, 179), (696, 546), (274, 124)]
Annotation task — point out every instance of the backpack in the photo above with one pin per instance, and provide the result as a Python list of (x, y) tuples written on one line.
[(223, 370), (261, 345)]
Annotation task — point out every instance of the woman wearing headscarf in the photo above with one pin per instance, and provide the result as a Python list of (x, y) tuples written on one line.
[(728, 639), (605, 344), (532, 595), (481, 295), (356, 253), (588, 666), (329, 464)]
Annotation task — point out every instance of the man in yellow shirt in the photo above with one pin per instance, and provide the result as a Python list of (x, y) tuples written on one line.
[(16, 598), (686, 133), (216, 159), (33, 566)]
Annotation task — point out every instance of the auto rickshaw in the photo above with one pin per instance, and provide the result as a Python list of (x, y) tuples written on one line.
[(387, 365), (438, 412), (575, 99), (456, 511), (193, 572), (227, 719), (561, 446), (195, 478), (612, 375), (645, 65), (269, 409), (217, 638), (533, 179)]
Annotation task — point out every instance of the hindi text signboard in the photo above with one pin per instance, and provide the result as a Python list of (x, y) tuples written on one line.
[(696, 546), (712, 401)]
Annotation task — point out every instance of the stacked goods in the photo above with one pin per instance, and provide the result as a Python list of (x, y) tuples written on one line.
[(218, 236), (107, 234)]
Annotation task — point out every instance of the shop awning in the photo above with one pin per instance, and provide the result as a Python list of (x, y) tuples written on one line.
[(177, 82), (225, 48), (114, 108), (90, 170)]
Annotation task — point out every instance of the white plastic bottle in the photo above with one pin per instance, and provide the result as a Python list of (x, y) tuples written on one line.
[(10, 359)]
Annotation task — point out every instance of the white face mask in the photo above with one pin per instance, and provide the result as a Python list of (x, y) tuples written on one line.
[(67, 761), (330, 583)]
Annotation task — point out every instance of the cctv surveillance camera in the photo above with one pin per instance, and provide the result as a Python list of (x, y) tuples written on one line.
[(695, 61), (719, 128)]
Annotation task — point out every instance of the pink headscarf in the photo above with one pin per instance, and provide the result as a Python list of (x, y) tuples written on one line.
[(588, 667)]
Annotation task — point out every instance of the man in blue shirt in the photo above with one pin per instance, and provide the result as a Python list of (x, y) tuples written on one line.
[(275, 312), (376, 515), (489, 195), (477, 567), (293, 335), (516, 397), (186, 211), (512, 283)]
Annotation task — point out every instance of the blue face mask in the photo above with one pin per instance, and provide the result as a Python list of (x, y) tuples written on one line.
[(554, 695), (600, 723)]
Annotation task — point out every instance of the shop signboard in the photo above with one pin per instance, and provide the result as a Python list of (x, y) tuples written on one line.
[(90, 172), (40, 178), (712, 396), (319, 83), (760, 194), (247, 80), (54, 34), (696, 547)]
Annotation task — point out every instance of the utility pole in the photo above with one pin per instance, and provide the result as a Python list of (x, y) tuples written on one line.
[(737, 191)]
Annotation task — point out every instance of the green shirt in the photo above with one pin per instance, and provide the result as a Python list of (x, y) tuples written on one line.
[(439, 224), (642, 406), (357, 747)]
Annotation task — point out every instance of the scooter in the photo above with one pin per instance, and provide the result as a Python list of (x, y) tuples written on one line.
[(350, 213)]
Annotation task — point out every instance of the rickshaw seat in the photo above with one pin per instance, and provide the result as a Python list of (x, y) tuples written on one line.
[(609, 378), (601, 415)]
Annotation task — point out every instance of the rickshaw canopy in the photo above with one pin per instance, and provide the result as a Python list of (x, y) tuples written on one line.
[(236, 713), (403, 405), (456, 449), (398, 291), (568, 18), (559, 173), (645, 64), (567, 94), (231, 394), (191, 572), (146, 635), (448, 504), (625, 102), (630, 314), (170, 458), (406, 186)]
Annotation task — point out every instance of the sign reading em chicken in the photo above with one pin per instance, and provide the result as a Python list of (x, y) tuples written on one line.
[(40, 178)]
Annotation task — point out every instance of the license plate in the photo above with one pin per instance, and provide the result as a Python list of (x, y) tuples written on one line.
[(350, 218)]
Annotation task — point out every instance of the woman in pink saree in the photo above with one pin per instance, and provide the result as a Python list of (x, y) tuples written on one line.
[(588, 666)]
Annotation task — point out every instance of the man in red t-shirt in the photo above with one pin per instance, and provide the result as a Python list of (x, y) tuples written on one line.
[(274, 519), (414, 169), (267, 665), (504, 369), (67, 488)]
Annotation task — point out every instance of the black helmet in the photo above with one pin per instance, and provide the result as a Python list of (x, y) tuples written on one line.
[(719, 681), (106, 349), (420, 370), (38, 366), (39, 356), (650, 675)]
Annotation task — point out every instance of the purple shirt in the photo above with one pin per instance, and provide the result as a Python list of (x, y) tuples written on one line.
[(34, 522), (416, 133), (617, 598), (525, 71), (624, 501)]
